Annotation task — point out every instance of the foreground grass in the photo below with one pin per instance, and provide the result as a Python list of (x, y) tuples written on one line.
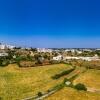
[(72, 94), (18, 83), (91, 78)]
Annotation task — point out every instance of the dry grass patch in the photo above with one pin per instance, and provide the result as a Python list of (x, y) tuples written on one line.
[(72, 94), (18, 83), (91, 78)]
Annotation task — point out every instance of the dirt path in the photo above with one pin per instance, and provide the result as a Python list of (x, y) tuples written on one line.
[(77, 71), (93, 90)]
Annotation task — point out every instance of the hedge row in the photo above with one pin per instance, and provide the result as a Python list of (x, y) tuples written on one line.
[(57, 76)]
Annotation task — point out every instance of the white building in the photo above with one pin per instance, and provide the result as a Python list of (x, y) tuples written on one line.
[(10, 46), (67, 50), (69, 58), (3, 46), (82, 58), (88, 50), (31, 53), (68, 83), (98, 49), (44, 50), (71, 50), (59, 57), (79, 52), (3, 54)]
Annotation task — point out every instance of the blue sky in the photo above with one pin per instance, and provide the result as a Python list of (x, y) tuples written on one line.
[(50, 23)]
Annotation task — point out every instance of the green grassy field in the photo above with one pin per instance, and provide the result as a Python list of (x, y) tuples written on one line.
[(72, 94), (18, 83)]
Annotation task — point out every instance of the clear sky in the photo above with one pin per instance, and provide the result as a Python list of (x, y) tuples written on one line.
[(50, 23)]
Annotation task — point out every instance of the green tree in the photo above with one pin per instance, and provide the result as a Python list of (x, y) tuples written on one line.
[(39, 94), (80, 86)]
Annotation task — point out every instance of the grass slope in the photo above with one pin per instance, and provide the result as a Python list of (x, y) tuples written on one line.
[(91, 78), (18, 83), (72, 94)]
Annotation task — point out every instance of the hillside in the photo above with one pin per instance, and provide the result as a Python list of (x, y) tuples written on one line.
[(72, 94), (90, 78), (18, 83)]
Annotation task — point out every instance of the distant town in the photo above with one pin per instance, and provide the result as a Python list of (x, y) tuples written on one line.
[(47, 55), (60, 54)]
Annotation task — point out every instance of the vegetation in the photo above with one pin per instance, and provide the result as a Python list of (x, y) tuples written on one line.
[(80, 86), (86, 64), (3, 61), (39, 94), (58, 86), (26, 64), (57, 76), (19, 83), (65, 80), (90, 78), (68, 93)]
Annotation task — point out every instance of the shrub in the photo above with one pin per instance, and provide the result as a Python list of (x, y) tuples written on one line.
[(62, 73), (73, 77), (54, 62), (46, 62), (49, 91), (58, 86), (65, 80), (26, 64), (39, 94), (4, 63), (80, 86), (0, 62)]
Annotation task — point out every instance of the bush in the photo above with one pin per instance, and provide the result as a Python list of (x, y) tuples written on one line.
[(54, 62), (73, 77), (80, 86), (20, 58), (26, 64), (39, 94), (46, 62), (0, 62), (62, 73), (49, 91), (65, 80), (58, 86), (4, 63)]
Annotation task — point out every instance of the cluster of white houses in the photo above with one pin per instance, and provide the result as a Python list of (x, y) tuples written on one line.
[(3, 46), (44, 50), (79, 51), (60, 57), (2, 49), (2, 54)]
